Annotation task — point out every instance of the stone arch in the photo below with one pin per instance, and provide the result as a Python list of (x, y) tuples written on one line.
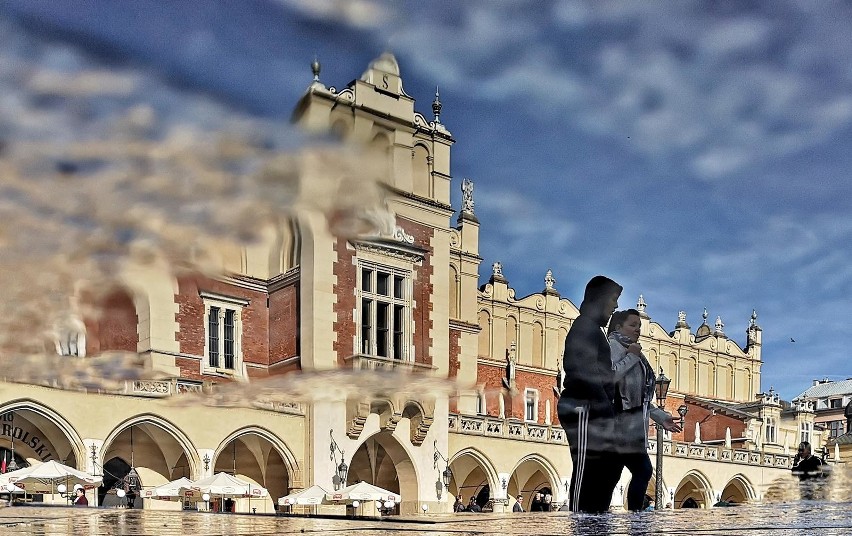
[(150, 425), (340, 128), (472, 472), (380, 146), (711, 380), (484, 347), (62, 439), (258, 455), (154, 447), (532, 473), (454, 291), (538, 344), (382, 460), (419, 419), (738, 490), (696, 486), (420, 172)]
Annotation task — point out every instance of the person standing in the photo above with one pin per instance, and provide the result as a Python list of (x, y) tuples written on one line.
[(634, 382), (80, 498), (809, 468), (586, 406), (518, 507)]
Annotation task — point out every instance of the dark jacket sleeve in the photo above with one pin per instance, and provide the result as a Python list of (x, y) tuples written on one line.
[(588, 369)]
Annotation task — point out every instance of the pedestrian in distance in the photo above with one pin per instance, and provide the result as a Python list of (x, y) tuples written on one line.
[(634, 383), (518, 507), (586, 406), (80, 497)]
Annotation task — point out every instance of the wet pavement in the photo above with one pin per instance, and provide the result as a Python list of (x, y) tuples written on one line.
[(777, 519)]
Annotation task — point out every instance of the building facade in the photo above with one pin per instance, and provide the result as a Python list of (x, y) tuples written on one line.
[(356, 330)]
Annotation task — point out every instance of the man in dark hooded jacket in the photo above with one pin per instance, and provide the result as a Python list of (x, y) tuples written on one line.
[(587, 404)]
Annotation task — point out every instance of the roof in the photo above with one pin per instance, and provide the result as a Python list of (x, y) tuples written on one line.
[(822, 390), (731, 410)]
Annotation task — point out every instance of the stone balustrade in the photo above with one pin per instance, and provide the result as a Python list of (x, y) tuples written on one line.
[(514, 429)]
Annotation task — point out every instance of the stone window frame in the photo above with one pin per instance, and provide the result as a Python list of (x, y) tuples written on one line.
[(406, 272), (223, 303)]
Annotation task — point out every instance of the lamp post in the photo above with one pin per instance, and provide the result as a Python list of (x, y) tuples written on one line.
[(446, 474), (341, 469), (662, 390)]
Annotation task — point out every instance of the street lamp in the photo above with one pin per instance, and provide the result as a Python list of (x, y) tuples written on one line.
[(446, 474), (341, 469), (682, 411), (662, 390)]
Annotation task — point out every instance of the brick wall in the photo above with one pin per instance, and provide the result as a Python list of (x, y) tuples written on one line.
[(190, 318), (344, 289), (115, 326), (713, 426), (284, 323)]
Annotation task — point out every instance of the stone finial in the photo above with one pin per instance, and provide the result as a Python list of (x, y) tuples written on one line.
[(467, 196), (315, 68), (640, 304), (681, 320), (719, 326), (436, 106), (704, 315), (549, 280), (497, 269)]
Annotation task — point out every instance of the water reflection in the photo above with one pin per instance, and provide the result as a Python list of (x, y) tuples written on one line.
[(799, 517)]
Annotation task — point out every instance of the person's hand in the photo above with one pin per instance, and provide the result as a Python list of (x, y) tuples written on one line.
[(634, 348), (671, 425)]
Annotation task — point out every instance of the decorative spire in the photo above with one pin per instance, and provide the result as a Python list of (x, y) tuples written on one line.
[(752, 323), (640, 305), (681, 320), (315, 68), (704, 316), (436, 106), (497, 269)]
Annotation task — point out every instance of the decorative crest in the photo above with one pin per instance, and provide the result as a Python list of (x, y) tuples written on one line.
[(497, 269), (640, 304), (549, 280)]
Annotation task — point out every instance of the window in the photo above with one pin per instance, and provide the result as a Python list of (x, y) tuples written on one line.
[(836, 403), (806, 432), (385, 311), (531, 405), (480, 404), (223, 334), (770, 429), (835, 428)]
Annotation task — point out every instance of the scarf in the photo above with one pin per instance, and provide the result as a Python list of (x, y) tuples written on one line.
[(622, 339)]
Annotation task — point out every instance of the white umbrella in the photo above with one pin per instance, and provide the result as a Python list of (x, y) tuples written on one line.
[(313, 495), (363, 492), (11, 488), (48, 476), (222, 485), (168, 491)]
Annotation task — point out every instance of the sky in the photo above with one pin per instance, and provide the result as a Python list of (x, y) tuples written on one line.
[(694, 151)]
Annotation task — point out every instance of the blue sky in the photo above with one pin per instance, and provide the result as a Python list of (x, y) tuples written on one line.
[(696, 152)]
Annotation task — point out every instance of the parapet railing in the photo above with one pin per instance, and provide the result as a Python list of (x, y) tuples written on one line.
[(483, 425), (171, 387)]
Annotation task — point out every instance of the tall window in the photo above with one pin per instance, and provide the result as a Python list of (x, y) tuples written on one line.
[(531, 405), (806, 432), (385, 316), (223, 333), (480, 404), (770, 429)]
